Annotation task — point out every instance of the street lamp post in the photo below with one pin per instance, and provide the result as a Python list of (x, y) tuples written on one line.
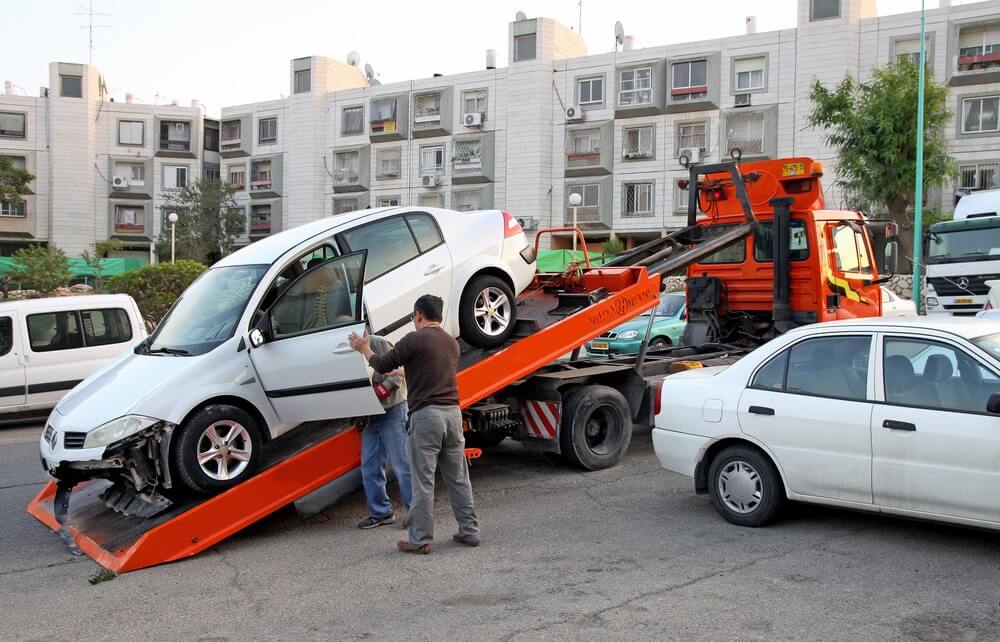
[(574, 201), (172, 217), (918, 196)]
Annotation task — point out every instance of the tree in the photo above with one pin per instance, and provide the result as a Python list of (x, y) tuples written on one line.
[(873, 126), (208, 221), (13, 181), (102, 250), (42, 268), (156, 287)]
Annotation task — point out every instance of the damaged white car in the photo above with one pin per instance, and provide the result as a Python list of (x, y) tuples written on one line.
[(257, 346)]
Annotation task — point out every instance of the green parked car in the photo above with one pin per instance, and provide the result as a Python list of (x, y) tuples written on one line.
[(668, 326)]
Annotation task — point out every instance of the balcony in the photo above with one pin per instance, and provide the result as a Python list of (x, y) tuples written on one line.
[(234, 136), (975, 50), (589, 149), (693, 83), (176, 138), (389, 119), (472, 159), (129, 220), (639, 89), (265, 177), (17, 219), (467, 200), (265, 219), (388, 164), (130, 177), (754, 132), (432, 113), (351, 203), (351, 169), (595, 211)]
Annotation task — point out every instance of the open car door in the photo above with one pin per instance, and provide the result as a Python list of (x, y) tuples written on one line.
[(302, 357)]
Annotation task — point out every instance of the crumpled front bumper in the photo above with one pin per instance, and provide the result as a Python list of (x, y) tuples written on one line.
[(55, 455)]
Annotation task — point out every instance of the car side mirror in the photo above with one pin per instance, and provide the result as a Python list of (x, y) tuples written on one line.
[(890, 261), (993, 404), (261, 331)]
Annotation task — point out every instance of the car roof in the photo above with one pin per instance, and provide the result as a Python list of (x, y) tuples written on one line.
[(73, 300), (967, 327)]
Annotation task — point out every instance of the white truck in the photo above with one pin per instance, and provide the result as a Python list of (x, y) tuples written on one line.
[(963, 254)]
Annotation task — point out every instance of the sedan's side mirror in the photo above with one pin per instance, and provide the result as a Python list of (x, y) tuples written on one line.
[(993, 404), (261, 331), (891, 259), (256, 338)]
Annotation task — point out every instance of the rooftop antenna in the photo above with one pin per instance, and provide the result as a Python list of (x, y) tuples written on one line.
[(619, 34), (370, 75), (90, 26), (520, 17), (353, 59)]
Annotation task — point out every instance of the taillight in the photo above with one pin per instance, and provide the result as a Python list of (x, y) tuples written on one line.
[(510, 226), (657, 400)]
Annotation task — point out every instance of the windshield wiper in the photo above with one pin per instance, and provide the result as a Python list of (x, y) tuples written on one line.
[(166, 350)]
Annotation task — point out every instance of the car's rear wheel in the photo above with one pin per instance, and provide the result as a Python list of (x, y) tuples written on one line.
[(487, 312), (745, 486), (219, 447)]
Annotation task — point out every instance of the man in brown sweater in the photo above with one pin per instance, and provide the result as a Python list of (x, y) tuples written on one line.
[(429, 357)]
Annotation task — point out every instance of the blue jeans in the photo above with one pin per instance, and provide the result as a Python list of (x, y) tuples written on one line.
[(384, 440)]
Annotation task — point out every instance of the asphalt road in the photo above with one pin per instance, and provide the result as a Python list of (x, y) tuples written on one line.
[(627, 553)]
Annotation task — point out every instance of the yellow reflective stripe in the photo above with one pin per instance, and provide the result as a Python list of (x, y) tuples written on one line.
[(845, 285)]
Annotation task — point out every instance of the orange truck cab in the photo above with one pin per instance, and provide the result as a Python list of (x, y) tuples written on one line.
[(799, 262)]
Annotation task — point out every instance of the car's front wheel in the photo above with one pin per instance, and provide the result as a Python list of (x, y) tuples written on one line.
[(217, 448), (487, 312), (745, 486)]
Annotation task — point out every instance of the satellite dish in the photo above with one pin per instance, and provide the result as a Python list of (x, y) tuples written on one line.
[(370, 75), (619, 33), (353, 59), (519, 16)]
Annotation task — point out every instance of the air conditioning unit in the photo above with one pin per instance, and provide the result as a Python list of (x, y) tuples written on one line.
[(689, 156), (474, 119), (574, 114), (527, 222), (431, 180), (120, 181), (742, 100)]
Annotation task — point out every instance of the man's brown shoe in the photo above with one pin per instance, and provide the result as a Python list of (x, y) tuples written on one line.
[(465, 542), (407, 547)]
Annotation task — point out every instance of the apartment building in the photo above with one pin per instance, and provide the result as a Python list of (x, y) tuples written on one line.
[(553, 121)]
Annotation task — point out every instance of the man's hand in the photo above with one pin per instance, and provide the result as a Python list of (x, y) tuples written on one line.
[(361, 343)]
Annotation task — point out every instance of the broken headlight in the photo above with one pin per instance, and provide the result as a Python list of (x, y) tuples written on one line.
[(118, 429)]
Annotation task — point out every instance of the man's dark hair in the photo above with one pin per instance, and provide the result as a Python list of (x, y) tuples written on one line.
[(431, 307)]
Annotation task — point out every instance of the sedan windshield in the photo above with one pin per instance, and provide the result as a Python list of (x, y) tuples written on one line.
[(207, 312), (669, 306), (990, 343)]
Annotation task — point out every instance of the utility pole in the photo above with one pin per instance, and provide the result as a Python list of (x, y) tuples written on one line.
[(90, 26), (918, 193)]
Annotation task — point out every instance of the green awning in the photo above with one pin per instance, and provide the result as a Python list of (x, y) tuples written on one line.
[(559, 260)]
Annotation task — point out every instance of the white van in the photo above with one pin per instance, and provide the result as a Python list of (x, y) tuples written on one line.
[(978, 204), (47, 346)]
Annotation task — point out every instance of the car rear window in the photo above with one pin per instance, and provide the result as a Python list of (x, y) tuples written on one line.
[(106, 326), (426, 231), (6, 335), (389, 244)]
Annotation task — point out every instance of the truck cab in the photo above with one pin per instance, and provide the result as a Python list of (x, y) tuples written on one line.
[(801, 263)]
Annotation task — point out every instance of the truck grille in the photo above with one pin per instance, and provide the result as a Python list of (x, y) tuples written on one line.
[(948, 286), (74, 440)]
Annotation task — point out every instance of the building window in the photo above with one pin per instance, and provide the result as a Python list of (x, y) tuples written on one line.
[(745, 132), (590, 91), (71, 86), (635, 86), (431, 200), (524, 47), (302, 81), (211, 173), (909, 48), (475, 101), (976, 176), (345, 167), (979, 115), (589, 210), (175, 176), (131, 132), (979, 47), (681, 195), (467, 200), (237, 176), (427, 109), (823, 9), (232, 135), (584, 148), (352, 120), (689, 80), (341, 205), (13, 209), (19, 162), (133, 175), (175, 136), (749, 73), (11, 125), (432, 160), (638, 199), (129, 219), (468, 156), (260, 220), (260, 176), (637, 142), (388, 163), (692, 135), (267, 130), (383, 116), (388, 201)]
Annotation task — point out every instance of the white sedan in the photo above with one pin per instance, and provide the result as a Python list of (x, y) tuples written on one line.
[(894, 305), (892, 416)]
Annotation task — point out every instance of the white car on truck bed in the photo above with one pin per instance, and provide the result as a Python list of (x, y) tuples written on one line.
[(257, 345), (892, 416)]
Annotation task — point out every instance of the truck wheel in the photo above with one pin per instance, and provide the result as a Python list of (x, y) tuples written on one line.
[(745, 487), (487, 312), (219, 447), (596, 427), (483, 439)]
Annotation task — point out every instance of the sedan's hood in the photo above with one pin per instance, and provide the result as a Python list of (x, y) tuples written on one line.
[(120, 388)]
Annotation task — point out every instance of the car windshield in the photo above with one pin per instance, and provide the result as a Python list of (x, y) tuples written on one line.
[(977, 244), (669, 306), (990, 343), (207, 312)]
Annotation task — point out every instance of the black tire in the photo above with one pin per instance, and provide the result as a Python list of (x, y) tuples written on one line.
[(659, 342), (596, 427), (470, 329), (193, 438), (759, 492), (483, 440)]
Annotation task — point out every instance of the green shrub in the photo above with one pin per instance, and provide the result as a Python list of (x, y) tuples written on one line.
[(612, 247), (156, 287), (41, 267)]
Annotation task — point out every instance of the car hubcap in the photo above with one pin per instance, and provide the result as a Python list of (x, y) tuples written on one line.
[(224, 450), (740, 487), (492, 311)]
